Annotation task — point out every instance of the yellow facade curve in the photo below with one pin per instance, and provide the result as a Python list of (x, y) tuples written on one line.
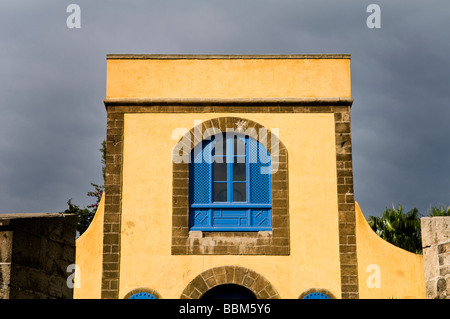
[(386, 271)]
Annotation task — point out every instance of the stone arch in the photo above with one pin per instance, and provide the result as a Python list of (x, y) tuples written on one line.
[(238, 275), (246, 126), (275, 243)]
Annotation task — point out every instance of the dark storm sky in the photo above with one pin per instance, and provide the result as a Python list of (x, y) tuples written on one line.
[(52, 86)]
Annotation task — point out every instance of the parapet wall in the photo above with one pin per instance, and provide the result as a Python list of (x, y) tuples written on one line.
[(386, 271), (436, 256), (35, 251)]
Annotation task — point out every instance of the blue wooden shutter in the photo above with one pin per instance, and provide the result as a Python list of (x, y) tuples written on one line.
[(200, 184), (260, 184), (200, 174), (260, 177)]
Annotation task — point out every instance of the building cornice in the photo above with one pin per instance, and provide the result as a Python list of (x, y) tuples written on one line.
[(334, 101), (223, 56)]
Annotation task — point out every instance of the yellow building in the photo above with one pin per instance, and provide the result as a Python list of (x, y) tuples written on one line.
[(233, 175)]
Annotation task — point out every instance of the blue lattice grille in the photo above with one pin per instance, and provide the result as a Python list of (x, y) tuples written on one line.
[(260, 178), (200, 174)]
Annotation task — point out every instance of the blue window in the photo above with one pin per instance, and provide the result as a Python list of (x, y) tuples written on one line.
[(230, 185)]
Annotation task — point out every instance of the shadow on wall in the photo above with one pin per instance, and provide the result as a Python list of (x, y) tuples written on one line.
[(35, 253)]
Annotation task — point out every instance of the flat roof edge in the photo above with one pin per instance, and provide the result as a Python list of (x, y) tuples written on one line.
[(321, 101), (223, 56), (32, 215)]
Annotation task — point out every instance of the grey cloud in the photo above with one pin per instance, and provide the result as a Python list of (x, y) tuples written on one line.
[(52, 84)]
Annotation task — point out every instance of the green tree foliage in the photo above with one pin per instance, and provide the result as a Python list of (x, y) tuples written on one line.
[(86, 215), (403, 229), (97, 194), (439, 210), (399, 228)]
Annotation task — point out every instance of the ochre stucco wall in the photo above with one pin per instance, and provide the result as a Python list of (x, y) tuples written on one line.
[(228, 78), (401, 272), (146, 258), (88, 256)]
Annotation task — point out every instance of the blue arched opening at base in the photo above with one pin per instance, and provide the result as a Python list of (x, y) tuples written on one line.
[(316, 295), (229, 291), (142, 295)]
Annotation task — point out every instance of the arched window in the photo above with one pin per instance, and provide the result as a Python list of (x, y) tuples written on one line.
[(230, 185)]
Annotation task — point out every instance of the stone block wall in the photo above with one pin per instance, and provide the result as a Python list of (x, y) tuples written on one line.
[(35, 251), (436, 256)]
